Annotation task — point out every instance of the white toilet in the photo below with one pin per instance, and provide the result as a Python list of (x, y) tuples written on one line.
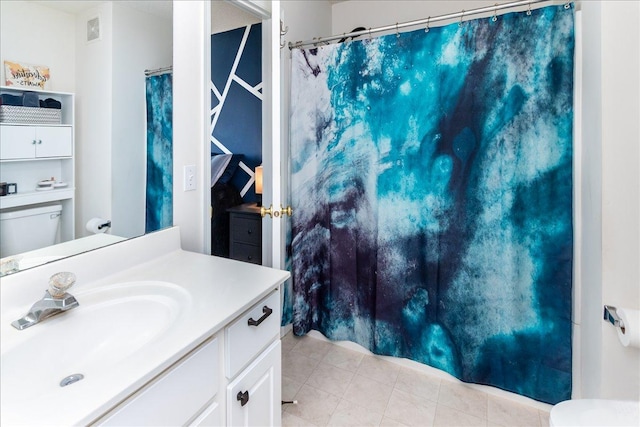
[(595, 412), (23, 230)]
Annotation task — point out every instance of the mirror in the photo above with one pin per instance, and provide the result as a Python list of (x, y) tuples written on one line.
[(98, 51)]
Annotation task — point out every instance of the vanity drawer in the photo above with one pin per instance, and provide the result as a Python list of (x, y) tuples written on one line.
[(175, 397), (245, 339)]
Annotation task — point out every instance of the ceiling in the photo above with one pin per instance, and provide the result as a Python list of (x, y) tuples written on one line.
[(162, 8)]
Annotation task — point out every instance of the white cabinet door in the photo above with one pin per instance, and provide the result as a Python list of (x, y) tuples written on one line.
[(254, 398), (17, 142), (176, 397), (28, 142), (210, 417), (53, 141)]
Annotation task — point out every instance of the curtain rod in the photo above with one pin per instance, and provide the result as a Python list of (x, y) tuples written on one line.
[(158, 71), (427, 21)]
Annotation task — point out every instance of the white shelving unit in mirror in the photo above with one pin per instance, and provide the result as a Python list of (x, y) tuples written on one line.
[(36, 145)]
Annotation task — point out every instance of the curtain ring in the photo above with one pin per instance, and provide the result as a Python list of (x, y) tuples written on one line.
[(370, 37), (495, 13), (567, 6), (397, 31), (426, 30), (529, 10), (461, 16)]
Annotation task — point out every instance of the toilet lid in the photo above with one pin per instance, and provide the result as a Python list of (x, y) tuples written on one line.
[(595, 412)]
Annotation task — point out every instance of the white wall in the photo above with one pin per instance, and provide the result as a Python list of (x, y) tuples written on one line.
[(348, 15), (588, 298), (39, 35), (191, 72), (111, 113), (93, 118), (141, 41), (620, 188)]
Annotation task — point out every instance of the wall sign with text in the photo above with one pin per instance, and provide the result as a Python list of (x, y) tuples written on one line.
[(26, 75)]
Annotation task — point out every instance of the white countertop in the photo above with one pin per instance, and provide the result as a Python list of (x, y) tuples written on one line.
[(41, 256), (217, 289)]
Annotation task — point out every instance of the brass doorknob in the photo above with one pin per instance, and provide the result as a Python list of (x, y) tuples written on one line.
[(274, 213), (286, 211), (266, 211)]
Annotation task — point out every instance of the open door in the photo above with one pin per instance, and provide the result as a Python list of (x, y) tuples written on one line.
[(274, 179)]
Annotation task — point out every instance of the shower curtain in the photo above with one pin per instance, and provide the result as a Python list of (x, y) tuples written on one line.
[(432, 190), (159, 194)]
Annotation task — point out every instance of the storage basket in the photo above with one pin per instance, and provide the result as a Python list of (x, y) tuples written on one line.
[(30, 115)]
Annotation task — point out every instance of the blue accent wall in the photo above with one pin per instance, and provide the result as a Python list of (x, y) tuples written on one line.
[(236, 101)]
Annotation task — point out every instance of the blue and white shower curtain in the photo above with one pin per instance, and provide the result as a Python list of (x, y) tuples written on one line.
[(432, 190), (159, 194)]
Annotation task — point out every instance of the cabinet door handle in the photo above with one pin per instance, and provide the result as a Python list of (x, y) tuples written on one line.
[(243, 397), (39, 141), (34, 142), (267, 312)]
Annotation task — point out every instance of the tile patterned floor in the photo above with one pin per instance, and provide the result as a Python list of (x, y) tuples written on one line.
[(336, 386)]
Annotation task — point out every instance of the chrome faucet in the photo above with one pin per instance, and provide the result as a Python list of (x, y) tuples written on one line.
[(55, 301)]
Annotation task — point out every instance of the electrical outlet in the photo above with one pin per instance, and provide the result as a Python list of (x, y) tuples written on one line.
[(189, 178)]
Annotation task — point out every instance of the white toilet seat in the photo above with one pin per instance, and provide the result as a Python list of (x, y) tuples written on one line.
[(595, 412)]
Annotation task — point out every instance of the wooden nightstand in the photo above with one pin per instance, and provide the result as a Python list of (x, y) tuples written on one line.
[(245, 233)]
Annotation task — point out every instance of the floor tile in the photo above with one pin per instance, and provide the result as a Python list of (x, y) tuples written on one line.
[(410, 410), (369, 393), (314, 405), (311, 347), (297, 366), (379, 370), (288, 342), (350, 414), (290, 420), (449, 417), (330, 379), (378, 392), (419, 384), (289, 388), (388, 422), (463, 398), (507, 413), (343, 358), (544, 418)]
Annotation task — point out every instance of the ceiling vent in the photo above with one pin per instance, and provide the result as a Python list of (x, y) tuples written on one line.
[(93, 29)]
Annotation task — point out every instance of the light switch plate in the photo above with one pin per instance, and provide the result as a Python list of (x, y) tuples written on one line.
[(189, 178)]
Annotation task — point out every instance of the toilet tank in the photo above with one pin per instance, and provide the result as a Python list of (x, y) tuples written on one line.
[(26, 229)]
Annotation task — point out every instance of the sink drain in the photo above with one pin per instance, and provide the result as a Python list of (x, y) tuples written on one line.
[(71, 379)]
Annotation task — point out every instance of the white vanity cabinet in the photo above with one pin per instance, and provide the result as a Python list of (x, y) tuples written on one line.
[(253, 346), (237, 371), (163, 336), (32, 152), (254, 397), (175, 396)]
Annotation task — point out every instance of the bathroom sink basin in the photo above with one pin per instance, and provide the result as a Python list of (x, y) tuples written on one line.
[(111, 324)]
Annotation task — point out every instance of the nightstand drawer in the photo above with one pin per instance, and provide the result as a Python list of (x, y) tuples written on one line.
[(247, 253), (246, 230)]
